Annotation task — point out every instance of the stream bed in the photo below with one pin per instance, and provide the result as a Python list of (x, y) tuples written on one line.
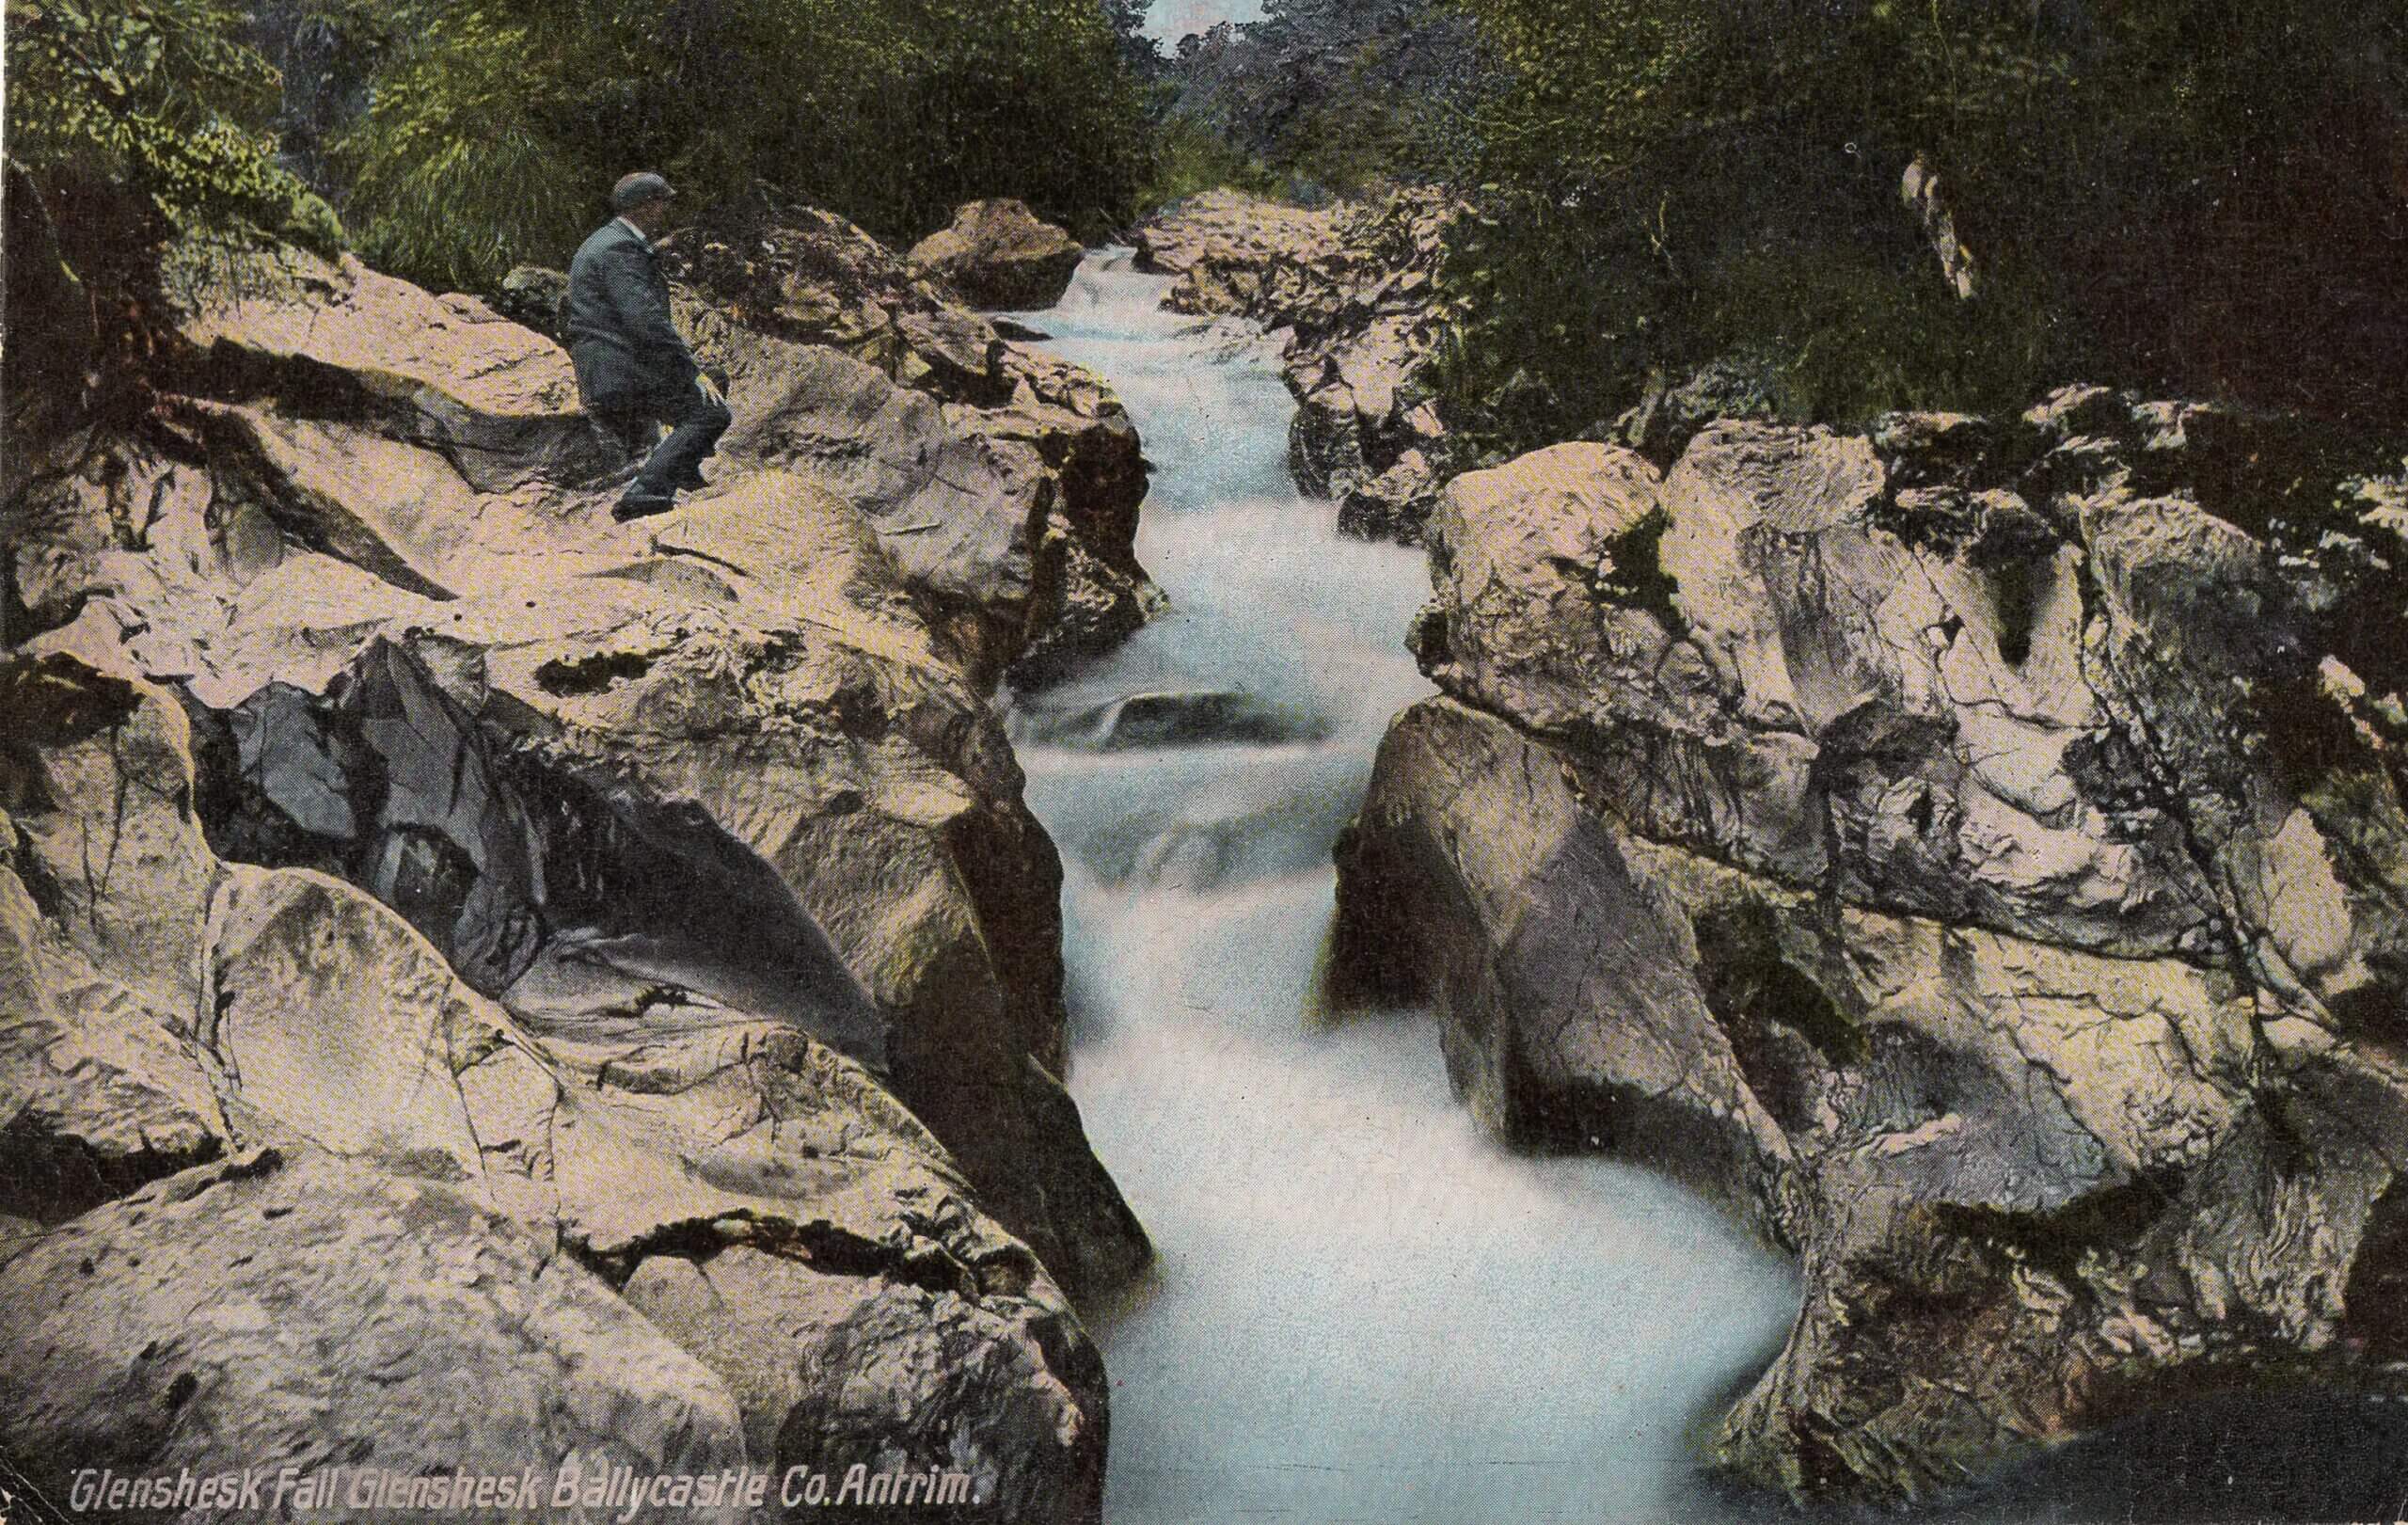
[(1364, 1310)]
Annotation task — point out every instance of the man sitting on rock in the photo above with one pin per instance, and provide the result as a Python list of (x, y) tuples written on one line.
[(633, 368)]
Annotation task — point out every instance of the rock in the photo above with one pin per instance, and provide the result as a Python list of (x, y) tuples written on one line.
[(1015, 494), (978, 1394), (357, 438), (1668, 416), (100, 1100), (756, 695), (101, 941), (1475, 875), (663, 889), (1964, 849), (335, 340), (1243, 255), (999, 255), (1355, 288), (536, 297), (811, 277), (284, 1309), (1168, 720), (390, 781), (620, 1102), (770, 705)]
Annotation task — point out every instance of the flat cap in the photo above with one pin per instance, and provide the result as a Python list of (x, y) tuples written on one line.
[(636, 189)]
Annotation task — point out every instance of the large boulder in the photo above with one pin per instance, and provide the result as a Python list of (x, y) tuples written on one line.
[(286, 1312), (1246, 256), (737, 732), (1975, 850), (420, 438), (620, 1102), (806, 672), (321, 340), (1355, 287), (1000, 255), (1008, 481)]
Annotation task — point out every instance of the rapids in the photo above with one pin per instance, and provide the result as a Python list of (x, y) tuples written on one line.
[(1364, 1308)]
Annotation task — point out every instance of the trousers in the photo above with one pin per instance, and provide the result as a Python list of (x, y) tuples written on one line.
[(695, 422)]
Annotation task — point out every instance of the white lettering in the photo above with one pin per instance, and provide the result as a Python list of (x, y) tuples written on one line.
[(856, 1486), (571, 1478)]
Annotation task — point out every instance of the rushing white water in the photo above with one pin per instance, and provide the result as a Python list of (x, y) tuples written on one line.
[(1365, 1309)]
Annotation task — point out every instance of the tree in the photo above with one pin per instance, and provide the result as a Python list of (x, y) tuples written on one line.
[(495, 125), (2187, 194), (136, 119)]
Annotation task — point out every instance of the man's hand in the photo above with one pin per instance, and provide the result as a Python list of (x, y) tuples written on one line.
[(709, 389)]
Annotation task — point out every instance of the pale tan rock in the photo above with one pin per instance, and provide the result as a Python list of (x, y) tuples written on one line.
[(1966, 861), (777, 655), (840, 1355), (332, 337), (284, 1309), (999, 255), (622, 1117), (1353, 287), (664, 815)]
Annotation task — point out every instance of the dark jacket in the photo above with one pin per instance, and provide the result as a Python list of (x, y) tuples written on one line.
[(620, 335)]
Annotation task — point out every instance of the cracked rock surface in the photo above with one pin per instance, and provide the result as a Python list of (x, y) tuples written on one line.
[(185, 1325), (1975, 850), (646, 916)]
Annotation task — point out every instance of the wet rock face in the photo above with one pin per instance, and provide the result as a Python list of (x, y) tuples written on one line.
[(659, 895), (1355, 288), (1000, 255), (1964, 847)]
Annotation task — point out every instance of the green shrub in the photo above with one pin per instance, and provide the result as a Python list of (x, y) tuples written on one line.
[(1188, 157), (2186, 194), (496, 126), (139, 120)]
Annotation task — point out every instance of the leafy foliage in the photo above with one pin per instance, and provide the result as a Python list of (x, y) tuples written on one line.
[(1320, 96), (2201, 195), (1190, 156), (139, 120), (495, 125)]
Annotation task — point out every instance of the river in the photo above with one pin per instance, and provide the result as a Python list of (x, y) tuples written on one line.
[(1364, 1308)]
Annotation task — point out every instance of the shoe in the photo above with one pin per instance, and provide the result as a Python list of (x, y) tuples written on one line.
[(639, 505), (693, 481), (617, 476)]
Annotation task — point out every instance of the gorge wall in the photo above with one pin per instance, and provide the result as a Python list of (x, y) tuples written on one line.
[(609, 969), (1974, 849)]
